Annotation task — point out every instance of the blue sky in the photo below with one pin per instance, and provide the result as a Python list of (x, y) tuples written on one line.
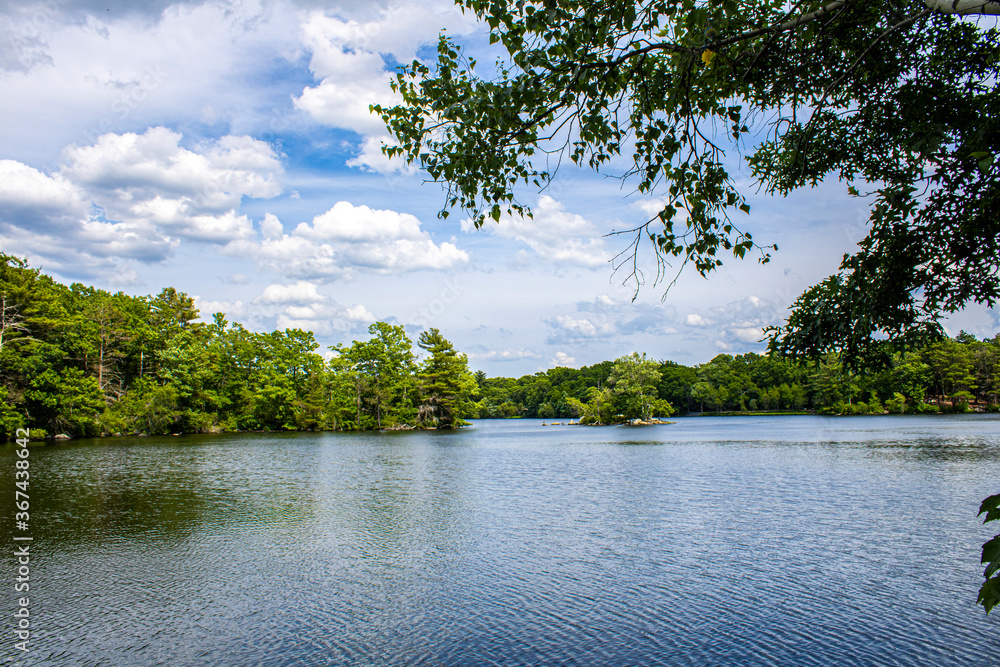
[(225, 149)]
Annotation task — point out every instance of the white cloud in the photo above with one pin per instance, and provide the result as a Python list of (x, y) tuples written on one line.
[(233, 310), (133, 196), (189, 193), (359, 313), (696, 320), (371, 158), (346, 222), (85, 252), (87, 75), (346, 59), (270, 227), (47, 217), (737, 325), (570, 327), (562, 359), (300, 305), (29, 196), (553, 234), (325, 316), (650, 207), (300, 292), (347, 238), (748, 334)]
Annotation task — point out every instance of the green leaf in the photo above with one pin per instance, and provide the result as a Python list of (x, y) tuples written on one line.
[(989, 594), (989, 507)]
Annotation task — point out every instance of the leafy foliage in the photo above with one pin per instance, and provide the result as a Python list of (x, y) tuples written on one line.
[(880, 94), (989, 593), (445, 382), (634, 380), (915, 382), (82, 361)]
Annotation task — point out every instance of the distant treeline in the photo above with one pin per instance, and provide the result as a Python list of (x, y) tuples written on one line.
[(959, 374), (83, 361)]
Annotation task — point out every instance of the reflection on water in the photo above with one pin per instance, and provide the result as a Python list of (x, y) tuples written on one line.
[(799, 540)]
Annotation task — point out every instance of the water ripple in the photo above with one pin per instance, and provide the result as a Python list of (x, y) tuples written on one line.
[(762, 541)]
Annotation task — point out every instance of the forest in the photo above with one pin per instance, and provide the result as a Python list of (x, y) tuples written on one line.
[(79, 361)]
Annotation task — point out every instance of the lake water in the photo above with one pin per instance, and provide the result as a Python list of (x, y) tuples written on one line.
[(712, 541)]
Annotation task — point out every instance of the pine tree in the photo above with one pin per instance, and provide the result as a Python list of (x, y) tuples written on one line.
[(445, 382)]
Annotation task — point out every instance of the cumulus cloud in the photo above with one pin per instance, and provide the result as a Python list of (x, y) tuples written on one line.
[(553, 234), (359, 313), (325, 317), (135, 197), (371, 158), (31, 197), (347, 238), (50, 217), (188, 193), (737, 325), (300, 292), (124, 68), (562, 359), (301, 305), (347, 61), (132, 197), (631, 317), (566, 327), (748, 334), (696, 320), (233, 310), (86, 252), (270, 227)]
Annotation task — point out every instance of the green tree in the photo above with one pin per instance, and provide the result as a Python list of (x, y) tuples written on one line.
[(599, 407), (147, 407), (634, 380), (952, 371), (833, 384), (381, 375), (173, 311), (675, 385), (730, 380), (877, 93), (704, 394), (445, 381)]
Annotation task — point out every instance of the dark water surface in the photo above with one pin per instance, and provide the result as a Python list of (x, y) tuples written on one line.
[(713, 541)]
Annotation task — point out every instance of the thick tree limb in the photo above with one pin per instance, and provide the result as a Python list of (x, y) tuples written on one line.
[(966, 7)]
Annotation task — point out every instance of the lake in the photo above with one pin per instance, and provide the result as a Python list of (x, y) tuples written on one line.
[(712, 541)]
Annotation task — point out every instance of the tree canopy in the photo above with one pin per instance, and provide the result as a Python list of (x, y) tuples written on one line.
[(896, 99)]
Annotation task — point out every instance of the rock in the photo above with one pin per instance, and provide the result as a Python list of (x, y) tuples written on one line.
[(61, 436)]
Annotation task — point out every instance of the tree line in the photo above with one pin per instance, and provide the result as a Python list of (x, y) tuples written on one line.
[(81, 361), (84, 362), (958, 374)]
